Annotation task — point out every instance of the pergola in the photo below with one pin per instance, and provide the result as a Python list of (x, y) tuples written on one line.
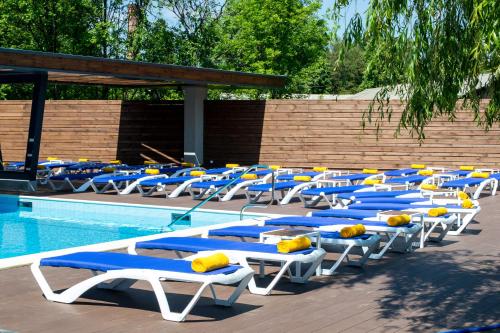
[(39, 68)]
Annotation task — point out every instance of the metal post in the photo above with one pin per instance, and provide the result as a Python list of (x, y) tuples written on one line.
[(36, 122)]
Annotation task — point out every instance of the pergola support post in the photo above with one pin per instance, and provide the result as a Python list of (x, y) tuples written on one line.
[(194, 100)]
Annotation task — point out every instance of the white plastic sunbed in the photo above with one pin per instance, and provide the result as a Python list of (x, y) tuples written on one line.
[(400, 238), (287, 188), (330, 241), (125, 269), (474, 186), (241, 253)]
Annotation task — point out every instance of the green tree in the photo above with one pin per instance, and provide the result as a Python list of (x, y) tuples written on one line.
[(273, 37), (432, 52), (347, 75)]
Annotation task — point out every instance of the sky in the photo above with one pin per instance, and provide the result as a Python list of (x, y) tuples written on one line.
[(359, 6), (356, 5)]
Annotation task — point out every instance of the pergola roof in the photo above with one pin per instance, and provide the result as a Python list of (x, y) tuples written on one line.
[(72, 69)]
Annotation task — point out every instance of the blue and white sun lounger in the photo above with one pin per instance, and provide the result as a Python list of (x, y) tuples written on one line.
[(241, 253), (330, 241), (314, 195), (201, 189), (401, 172), (468, 184), (67, 181), (111, 181), (398, 238), (445, 221), (126, 269), (408, 180), (464, 215)]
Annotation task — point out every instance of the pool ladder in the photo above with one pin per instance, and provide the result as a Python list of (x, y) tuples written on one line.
[(181, 217)]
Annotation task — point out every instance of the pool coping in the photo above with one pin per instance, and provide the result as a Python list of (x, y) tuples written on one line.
[(28, 259)]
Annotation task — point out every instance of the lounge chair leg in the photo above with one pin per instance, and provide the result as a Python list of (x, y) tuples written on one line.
[(337, 263)]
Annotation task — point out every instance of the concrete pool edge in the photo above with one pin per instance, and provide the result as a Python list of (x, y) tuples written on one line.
[(24, 260)]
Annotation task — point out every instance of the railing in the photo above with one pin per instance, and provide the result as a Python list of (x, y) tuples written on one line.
[(256, 205), (234, 180)]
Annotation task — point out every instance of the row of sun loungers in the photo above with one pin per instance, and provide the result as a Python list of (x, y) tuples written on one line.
[(401, 223)]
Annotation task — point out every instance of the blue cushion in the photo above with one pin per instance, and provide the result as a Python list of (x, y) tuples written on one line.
[(378, 194), (495, 176), (192, 244), (333, 190), (277, 186), (391, 200), (336, 235), (258, 173), (216, 171), (290, 176), (215, 183), (170, 170), (460, 173), (108, 261), (353, 177), (409, 179), (242, 231), (461, 183), (346, 213), (400, 172), (316, 222), (165, 181), (120, 178), (76, 176), (396, 206)]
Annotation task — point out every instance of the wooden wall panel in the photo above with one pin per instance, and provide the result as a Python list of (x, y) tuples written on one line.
[(294, 133), (303, 133)]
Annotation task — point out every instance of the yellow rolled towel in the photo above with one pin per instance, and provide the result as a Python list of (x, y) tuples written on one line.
[(372, 181), (370, 171), (150, 162), (275, 167), (5, 163), (108, 169), (115, 162), (232, 165), (41, 167), (83, 160), (51, 158), (292, 245), (187, 164), (430, 187), (197, 173), (320, 169), (467, 167), (462, 195), (418, 166), (249, 176), (480, 175), (302, 178), (396, 220), (352, 231), (152, 171), (426, 172), (467, 203), (210, 263), (439, 211)]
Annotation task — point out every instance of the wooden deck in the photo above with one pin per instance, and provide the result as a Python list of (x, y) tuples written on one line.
[(449, 285)]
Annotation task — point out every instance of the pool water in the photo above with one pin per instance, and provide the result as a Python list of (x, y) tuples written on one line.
[(33, 225)]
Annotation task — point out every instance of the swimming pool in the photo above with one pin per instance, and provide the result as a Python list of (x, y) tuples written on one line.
[(30, 225)]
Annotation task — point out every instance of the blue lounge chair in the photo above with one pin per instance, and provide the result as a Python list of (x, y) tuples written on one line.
[(330, 241), (401, 172), (69, 181), (474, 186), (241, 252), (312, 196), (199, 190), (399, 238), (125, 269), (441, 225)]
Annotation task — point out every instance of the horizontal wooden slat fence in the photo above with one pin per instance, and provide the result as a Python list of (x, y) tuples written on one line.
[(295, 133)]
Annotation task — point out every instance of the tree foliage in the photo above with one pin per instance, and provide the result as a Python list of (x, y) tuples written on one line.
[(432, 53)]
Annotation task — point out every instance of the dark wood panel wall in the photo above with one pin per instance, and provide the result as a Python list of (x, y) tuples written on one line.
[(295, 133)]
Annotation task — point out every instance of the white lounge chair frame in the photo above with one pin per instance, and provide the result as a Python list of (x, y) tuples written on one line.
[(285, 260), (125, 278)]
